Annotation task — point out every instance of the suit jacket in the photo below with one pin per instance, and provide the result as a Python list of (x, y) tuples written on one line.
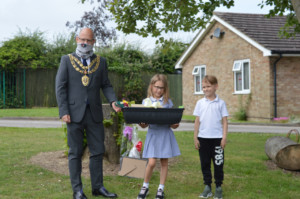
[(72, 95)]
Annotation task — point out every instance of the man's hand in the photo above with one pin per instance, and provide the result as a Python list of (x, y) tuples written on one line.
[(116, 108), (66, 118)]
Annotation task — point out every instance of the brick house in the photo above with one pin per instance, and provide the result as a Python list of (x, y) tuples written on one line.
[(245, 53)]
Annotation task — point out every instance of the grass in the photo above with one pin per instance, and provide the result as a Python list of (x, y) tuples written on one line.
[(188, 117), (30, 112), (246, 175)]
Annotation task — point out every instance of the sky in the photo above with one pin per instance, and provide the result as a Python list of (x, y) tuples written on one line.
[(51, 16)]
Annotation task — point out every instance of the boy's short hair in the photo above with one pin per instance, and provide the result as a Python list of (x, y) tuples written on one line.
[(210, 79)]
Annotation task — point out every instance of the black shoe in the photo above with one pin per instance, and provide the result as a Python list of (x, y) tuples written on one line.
[(79, 195), (103, 192), (160, 194), (143, 193)]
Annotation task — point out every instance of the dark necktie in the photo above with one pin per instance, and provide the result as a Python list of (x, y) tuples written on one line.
[(85, 64)]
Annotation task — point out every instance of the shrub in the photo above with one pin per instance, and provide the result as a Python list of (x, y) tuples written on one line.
[(241, 114)]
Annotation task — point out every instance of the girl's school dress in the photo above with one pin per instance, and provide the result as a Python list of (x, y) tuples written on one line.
[(160, 140)]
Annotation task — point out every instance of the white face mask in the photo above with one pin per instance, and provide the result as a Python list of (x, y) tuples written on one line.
[(84, 50)]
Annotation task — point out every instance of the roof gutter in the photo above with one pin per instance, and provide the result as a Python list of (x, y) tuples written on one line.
[(290, 52)]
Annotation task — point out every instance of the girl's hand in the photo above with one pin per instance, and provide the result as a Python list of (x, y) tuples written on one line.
[(175, 126), (197, 143), (143, 125), (223, 143)]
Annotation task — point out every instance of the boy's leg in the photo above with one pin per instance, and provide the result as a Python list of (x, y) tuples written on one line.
[(218, 160), (205, 159)]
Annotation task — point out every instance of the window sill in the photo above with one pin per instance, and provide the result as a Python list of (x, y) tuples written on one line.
[(199, 93), (241, 93)]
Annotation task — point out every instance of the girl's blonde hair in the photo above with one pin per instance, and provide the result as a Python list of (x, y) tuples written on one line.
[(154, 79), (210, 79)]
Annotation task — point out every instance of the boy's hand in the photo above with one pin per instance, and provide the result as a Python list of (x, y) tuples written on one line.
[(223, 143), (196, 143), (175, 126), (143, 125)]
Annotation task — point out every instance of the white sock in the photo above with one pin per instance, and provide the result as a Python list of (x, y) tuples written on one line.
[(161, 186), (146, 184)]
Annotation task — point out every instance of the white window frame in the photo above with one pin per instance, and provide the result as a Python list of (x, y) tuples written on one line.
[(238, 67), (197, 72)]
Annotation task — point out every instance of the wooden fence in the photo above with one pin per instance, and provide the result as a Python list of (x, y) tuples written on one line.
[(40, 87)]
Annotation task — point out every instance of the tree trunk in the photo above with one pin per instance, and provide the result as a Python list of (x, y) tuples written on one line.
[(284, 151), (296, 6), (112, 149)]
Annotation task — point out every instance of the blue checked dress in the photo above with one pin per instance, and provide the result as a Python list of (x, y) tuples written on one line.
[(160, 140)]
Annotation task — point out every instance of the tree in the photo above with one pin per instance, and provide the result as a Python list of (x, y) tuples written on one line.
[(292, 25), (130, 62), (154, 17), (296, 6), (97, 20), (165, 56), (24, 50), (31, 50), (60, 46)]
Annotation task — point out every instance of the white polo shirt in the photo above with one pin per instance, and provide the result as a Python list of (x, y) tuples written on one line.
[(210, 114)]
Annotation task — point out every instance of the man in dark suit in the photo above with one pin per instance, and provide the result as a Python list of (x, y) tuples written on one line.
[(79, 79)]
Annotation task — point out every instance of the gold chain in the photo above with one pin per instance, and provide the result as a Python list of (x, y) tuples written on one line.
[(84, 68)]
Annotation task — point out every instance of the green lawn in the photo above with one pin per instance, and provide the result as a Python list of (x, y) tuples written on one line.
[(246, 175), (30, 112)]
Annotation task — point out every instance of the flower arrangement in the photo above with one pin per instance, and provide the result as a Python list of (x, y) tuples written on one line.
[(131, 146)]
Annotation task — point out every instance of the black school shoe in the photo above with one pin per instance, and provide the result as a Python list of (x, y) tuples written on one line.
[(79, 195), (143, 193), (103, 192), (160, 194)]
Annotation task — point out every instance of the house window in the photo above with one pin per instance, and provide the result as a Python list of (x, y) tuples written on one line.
[(241, 71), (198, 73)]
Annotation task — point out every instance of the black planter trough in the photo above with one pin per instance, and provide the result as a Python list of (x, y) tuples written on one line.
[(135, 115)]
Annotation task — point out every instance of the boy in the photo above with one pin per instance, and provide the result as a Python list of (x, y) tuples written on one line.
[(210, 135)]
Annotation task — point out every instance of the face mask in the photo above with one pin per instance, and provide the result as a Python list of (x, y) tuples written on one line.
[(84, 50)]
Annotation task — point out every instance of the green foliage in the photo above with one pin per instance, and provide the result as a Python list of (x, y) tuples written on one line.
[(12, 99), (61, 45), (129, 62), (31, 50), (118, 134), (166, 55), (163, 15), (281, 7), (241, 114), (24, 50)]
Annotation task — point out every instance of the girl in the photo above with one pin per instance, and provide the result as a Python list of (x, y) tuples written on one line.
[(160, 140)]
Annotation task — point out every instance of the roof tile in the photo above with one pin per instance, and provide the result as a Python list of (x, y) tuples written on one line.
[(263, 30)]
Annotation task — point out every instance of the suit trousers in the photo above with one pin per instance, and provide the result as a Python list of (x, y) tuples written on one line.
[(210, 150), (95, 141)]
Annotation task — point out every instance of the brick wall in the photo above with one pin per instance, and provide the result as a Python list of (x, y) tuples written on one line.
[(218, 54), (288, 86)]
